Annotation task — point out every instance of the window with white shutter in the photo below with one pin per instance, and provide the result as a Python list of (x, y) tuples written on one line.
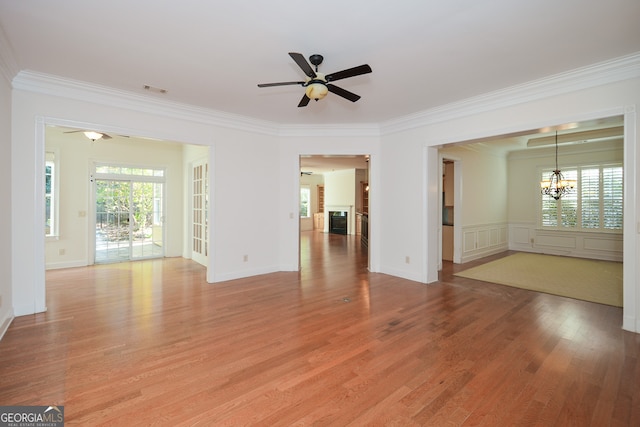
[(596, 203)]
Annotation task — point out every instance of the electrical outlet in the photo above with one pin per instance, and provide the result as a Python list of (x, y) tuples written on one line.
[(407, 259), (0, 301), (245, 258), (61, 251)]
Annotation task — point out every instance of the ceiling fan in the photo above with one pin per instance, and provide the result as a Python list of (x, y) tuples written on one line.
[(318, 84), (92, 135)]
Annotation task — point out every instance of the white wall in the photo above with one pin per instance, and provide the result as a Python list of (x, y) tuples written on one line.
[(245, 205), (75, 157), (340, 195), (6, 309)]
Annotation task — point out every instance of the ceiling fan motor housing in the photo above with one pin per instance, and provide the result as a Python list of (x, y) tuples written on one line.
[(316, 60)]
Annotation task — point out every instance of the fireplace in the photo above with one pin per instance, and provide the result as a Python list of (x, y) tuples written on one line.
[(338, 222)]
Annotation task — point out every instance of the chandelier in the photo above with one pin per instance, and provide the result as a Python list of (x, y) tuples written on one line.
[(556, 186)]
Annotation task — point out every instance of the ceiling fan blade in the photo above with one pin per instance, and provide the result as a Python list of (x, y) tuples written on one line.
[(304, 101), (105, 136), (302, 63), (343, 93), (279, 84), (355, 71)]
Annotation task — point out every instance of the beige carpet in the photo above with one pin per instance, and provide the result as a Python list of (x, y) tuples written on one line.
[(589, 280)]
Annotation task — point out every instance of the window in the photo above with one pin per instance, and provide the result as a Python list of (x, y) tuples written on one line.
[(50, 195), (126, 170), (320, 198), (305, 205), (595, 204)]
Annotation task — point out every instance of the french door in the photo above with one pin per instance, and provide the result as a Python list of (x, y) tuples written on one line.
[(129, 223), (199, 211)]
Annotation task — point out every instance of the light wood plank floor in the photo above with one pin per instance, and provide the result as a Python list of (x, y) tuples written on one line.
[(151, 343)]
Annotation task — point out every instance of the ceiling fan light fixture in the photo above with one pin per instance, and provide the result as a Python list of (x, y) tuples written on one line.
[(93, 135), (316, 91), (318, 85)]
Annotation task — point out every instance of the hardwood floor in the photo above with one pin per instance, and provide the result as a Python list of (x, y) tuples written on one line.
[(151, 343)]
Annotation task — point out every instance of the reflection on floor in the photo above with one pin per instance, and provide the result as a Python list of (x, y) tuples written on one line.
[(122, 251)]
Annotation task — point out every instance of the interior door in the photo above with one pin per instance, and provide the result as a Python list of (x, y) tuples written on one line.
[(199, 212)]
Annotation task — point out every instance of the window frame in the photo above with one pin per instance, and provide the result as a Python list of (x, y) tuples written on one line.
[(544, 172), (52, 159), (307, 189)]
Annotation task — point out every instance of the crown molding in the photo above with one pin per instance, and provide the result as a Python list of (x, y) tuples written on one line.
[(619, 69), (335, 130), (81, 91), (8, 63), (62, 87)]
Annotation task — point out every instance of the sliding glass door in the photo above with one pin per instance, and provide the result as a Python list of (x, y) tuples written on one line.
[(129, 217)]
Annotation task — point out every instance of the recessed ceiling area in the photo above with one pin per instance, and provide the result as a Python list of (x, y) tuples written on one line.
[(588, 131), (319, 164)]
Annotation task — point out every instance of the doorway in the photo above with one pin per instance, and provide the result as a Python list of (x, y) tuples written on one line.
[(129, 221), (448, 199), (334, 198)]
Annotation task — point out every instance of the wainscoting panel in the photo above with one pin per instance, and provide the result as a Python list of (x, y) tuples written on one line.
[(483, 240), (556, 242), (519, 235), (603, 244), (580, 244), (469, 241)]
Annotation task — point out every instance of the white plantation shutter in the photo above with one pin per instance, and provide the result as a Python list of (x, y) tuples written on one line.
[(612, 197), (549, 206), (590, 193), (569, 204), (596, 204)]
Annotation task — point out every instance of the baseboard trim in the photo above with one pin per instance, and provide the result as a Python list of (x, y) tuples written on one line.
[(631, 324), (5, 324), (59, 265)]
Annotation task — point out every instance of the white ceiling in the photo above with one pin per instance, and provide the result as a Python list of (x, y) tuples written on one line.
[(424, 53)]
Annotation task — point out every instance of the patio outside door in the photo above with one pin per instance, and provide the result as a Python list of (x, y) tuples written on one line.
[(129, 220)]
